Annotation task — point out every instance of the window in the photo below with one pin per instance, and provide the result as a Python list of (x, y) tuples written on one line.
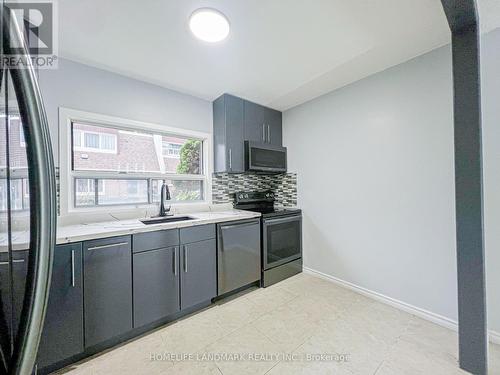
[(171, 150), (88, 138), (122, 164)]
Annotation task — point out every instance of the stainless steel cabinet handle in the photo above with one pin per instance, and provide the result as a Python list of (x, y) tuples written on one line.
[(107, 246), (230, 159), (73, 268), (264, 132), (184, 249), (241, 225), (175, 261), (268, 134), (13, 261)]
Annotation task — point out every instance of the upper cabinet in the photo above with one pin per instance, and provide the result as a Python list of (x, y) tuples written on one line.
[(262, 124), (236, 121)]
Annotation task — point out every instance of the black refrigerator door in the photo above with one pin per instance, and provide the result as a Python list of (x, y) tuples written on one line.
[(27, 207)]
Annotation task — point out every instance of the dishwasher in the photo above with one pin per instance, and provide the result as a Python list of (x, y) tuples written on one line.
[(238, 255)]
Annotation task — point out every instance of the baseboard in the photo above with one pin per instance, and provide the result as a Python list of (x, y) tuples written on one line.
[(443, 321)]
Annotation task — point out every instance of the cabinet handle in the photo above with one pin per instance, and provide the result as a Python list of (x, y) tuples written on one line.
[(175, 261), (184, 248), (230, 159), (268, 133), (13, 261), (264, 132), (73, 268), (107, 246)]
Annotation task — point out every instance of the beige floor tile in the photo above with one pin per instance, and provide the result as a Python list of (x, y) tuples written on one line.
[(268, 299), (433, 338), (194, 368), (192, 334), (287, 327), (308, 368), (235, 314), (245, 342), (494, 359), (406, 358)]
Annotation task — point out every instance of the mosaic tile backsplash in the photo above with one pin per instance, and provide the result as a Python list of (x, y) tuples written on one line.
[(224, 185)]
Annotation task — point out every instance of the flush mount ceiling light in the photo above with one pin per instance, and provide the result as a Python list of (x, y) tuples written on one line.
[(209, 25)]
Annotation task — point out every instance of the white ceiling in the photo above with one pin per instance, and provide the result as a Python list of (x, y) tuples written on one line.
[(279, 53)]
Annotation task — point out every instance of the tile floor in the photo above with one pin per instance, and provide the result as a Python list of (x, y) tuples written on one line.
[(279, 329)]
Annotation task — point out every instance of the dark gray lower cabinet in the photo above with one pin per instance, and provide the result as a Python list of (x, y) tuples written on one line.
[(62, 335), (198, 272), (107, 288), (11, 313), (156, 285)]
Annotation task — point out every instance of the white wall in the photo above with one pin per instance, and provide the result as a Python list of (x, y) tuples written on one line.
[(490, 64), (85, 88), (376, 182)]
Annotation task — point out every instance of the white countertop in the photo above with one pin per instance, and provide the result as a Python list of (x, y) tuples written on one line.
[(89, 231)]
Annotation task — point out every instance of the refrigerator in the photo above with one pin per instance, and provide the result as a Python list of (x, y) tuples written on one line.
[(27, 205)]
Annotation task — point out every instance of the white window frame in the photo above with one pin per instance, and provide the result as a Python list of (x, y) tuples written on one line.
[(67, 176)]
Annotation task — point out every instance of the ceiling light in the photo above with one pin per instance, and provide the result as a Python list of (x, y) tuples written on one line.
[(209, 25)]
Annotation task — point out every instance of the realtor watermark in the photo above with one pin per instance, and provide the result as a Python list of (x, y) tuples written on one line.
[(33, 37), (248, 357)]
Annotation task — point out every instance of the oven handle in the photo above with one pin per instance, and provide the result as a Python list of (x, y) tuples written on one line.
[(282, 220)]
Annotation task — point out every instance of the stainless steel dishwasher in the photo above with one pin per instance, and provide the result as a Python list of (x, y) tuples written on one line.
[(238, 254)]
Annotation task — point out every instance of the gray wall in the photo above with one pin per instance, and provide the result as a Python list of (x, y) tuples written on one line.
[(82, 87), (382, 214)]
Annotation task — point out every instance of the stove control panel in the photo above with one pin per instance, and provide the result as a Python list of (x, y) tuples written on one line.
[(255, 196)]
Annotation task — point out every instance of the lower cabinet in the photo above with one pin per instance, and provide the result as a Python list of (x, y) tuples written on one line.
[(156, 285), (107, 289), (198, 272), (11, 313), (62, 335)]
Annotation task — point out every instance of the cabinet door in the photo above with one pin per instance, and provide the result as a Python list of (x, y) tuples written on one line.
[(234, 134), (156, 285), (107, 288), (11, 312), (198, 273), (62, 335), (255, 127), (274, 127)]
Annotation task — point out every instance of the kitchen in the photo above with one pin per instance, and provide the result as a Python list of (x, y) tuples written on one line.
[(244, 215)]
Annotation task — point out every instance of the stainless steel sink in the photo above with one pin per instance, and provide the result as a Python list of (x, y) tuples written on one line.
[(166, 219)]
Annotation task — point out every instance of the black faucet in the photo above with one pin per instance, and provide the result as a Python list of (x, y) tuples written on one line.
[(164, 195)]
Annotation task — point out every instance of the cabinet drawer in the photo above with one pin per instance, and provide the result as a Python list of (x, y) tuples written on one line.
[(197, 233), (155, 240)]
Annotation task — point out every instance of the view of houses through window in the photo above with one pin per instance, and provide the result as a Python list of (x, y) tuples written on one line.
[(113, 166)]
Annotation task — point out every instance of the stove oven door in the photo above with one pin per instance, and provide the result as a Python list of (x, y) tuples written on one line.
[(281, 240)]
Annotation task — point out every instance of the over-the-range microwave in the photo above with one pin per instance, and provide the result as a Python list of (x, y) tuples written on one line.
[(264, 157)]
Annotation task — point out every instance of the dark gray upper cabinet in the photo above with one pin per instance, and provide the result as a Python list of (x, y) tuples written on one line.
[(255, 123), (156, 285), (274, 120), (107, 288), (62, 335), (237, 120), (228, 134), (262, 124)]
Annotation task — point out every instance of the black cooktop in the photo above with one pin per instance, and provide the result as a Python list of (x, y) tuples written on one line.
[(263, 202)]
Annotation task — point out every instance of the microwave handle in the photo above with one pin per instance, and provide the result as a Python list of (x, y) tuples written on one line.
[(264, 132), (230, 159), (268, 133)]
